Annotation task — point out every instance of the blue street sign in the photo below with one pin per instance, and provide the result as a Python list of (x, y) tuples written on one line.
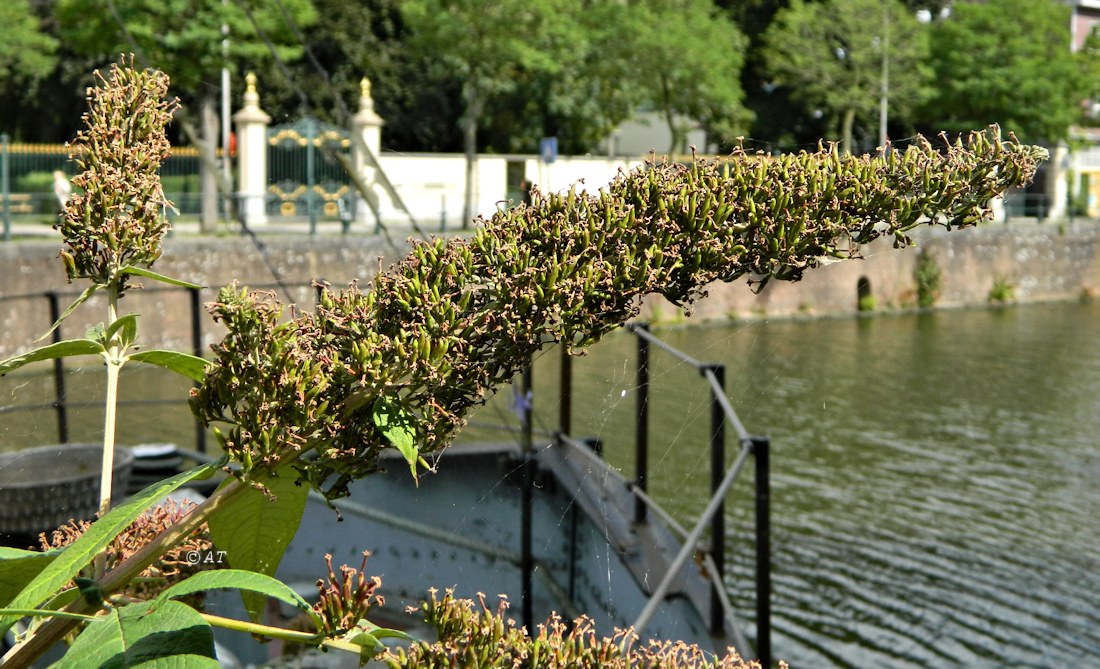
[(548, 149)]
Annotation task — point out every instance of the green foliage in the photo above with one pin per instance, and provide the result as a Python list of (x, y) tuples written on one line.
[(61, 349), (26, 52), (255, 531), (1002, 291), (398, 427), (685, 61), (475, 636), (183, 38), (830, 53), (239, 579), (1018, 73), (18, 567), (927, 276), (128, 637), (867, 303)]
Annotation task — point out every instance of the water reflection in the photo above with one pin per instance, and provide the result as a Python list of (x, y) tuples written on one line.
[(934, 480)]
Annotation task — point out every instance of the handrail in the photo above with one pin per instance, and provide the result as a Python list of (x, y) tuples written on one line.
[(714, 574), (643, 332), (722, 412), (658, 595)]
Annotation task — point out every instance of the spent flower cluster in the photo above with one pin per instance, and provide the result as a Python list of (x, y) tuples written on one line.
[(474, 635), (344, 602), (170, 567), (458, 317), (117, 219)]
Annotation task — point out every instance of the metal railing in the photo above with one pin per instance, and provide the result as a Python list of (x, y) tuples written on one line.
[(722, 478), (62, 403)]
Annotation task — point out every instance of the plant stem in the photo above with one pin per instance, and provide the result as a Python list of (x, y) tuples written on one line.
[(270, 632), (110, 409)]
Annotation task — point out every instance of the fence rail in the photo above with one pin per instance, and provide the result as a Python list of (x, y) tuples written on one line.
[(62, 403), (722, 478)]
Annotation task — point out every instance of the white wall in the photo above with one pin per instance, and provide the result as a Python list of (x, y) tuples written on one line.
[(432, 185)]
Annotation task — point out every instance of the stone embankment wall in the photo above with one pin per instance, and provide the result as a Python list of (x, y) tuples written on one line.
[(31, 268), (1039, 262)]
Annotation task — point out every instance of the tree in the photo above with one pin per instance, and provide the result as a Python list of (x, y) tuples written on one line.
[(1019, 73), (581, 101), (25, 52), (487, 45), (686, 58), (184, 39), (832, 55)]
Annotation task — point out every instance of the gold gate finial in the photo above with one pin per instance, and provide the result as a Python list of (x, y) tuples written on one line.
[(250, 81), (364, 87)]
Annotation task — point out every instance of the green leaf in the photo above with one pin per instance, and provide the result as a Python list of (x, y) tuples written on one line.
[(240, 579), (18, 567), (398, 426), (150, 274), (193, 367), (81, 552), (255, 530), (88, 292), (127, 325), (367, 636), (147, 634), (61, 349)]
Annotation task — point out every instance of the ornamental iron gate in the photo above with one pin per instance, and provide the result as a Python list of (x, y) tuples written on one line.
[(305, 180)]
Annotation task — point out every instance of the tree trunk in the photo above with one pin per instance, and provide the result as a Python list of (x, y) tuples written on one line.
[(469, 133), (208, 179), (846, 130)]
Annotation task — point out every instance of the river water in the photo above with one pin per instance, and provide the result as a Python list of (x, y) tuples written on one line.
[(935, 477)]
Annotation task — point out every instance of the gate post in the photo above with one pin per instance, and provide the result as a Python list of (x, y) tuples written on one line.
[(252, 156), (366, 129)]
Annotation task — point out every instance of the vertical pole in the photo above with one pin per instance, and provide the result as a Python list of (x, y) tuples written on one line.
[(60, 401), (761, 447), (641, 426), (526, 559), (311, 132), (227, 167), (196, 349), (565, 409), (717, 473), (5, 184)]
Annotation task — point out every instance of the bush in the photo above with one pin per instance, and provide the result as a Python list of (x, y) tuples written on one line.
[(927, 276), (1002, 291)]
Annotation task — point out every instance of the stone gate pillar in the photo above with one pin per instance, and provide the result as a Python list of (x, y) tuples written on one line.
[(251, 124), (366, 125)]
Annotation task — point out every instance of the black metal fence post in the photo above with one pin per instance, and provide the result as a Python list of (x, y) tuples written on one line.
[(717, 473), (527, 488), (760, 449), (641, 426), (5, 185), (195, 298), (60, 401), (565, 393)]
